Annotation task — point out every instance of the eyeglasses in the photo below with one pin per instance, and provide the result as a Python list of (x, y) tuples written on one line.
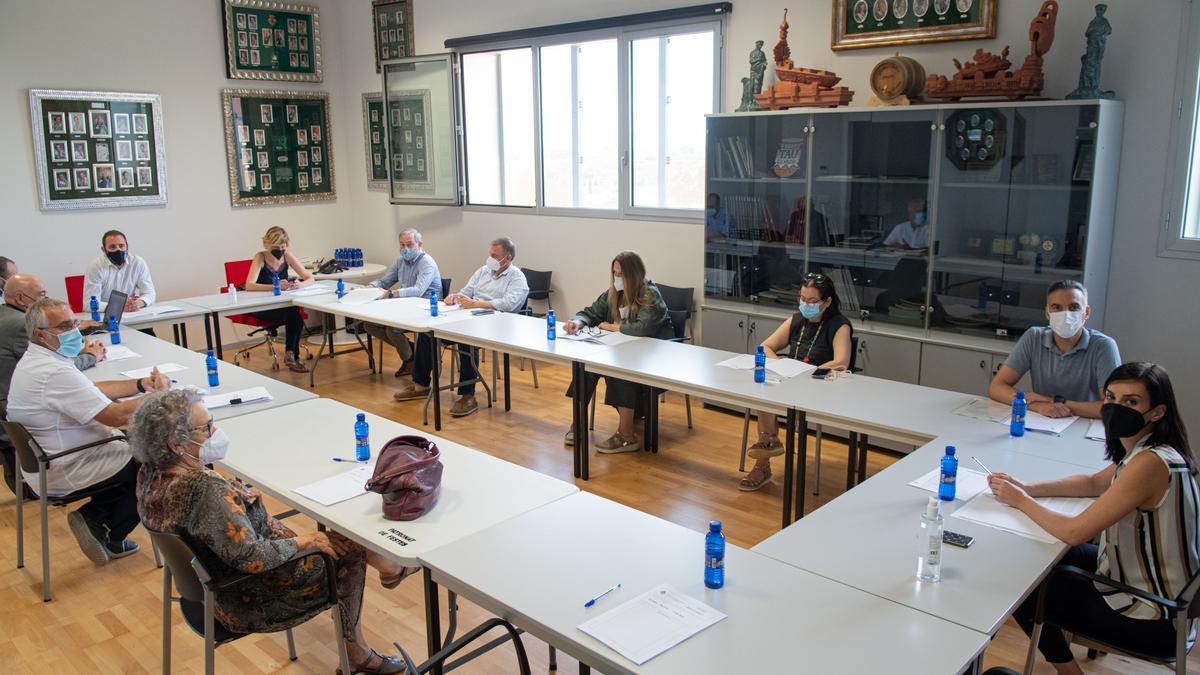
[(592, 331), (69, 325), (206, 427), (840, 373)]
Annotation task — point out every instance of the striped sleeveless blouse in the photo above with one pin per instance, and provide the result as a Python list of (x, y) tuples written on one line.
[(1157, 550)]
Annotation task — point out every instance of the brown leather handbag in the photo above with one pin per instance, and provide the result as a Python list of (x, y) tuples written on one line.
[(408, 474)]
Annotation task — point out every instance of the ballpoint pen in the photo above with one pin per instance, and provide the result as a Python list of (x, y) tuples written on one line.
[(351, 461), (593, 601), (976, 460)]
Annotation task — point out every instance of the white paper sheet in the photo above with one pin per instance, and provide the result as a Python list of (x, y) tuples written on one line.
[(163, 368), (1051, 425), (985, 409), (651, 623), (606, 337), (361, 296), (339, 488), (308, 290), (1095, 430), (986, 510), (443, 308), (251, 395), (783, 368), (120, 353), (152, 310), (970, 483)]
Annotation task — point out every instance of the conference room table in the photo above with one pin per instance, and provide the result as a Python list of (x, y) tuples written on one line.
[(217, 304), (779, 618), (174, 312), (153, 352), (285, 448)]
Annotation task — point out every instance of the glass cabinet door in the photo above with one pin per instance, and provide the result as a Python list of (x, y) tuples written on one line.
[(1012, 213), (422, 139), (870, 219), (756, 188)]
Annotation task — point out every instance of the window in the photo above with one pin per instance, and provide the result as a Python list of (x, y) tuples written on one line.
[(607, 122), (1180, 236)]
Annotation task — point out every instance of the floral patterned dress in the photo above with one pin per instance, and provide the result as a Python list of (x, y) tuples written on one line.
[(232, 534)]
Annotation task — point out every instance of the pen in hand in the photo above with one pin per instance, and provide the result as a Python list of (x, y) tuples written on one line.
[(976, 460), (593, 601)]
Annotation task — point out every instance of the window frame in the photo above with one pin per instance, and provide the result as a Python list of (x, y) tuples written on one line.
[(1185, 130), (624, 36)]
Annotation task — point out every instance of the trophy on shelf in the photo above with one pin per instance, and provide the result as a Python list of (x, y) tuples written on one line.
[(797, 87)]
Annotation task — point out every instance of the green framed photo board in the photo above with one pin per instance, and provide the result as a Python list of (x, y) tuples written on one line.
[(888, 23), (267, 40), (375, 140), (391, 22), (96, 149), (408, 138), (278, 146)]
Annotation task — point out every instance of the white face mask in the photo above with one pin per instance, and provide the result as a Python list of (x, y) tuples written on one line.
[(215, 448), (624, 311), (492, 264), (1066, 324), (619, 283)]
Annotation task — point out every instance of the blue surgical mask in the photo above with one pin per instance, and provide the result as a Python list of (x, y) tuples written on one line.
[(409, 254), (70, 343), (919, 218), (810, 311)]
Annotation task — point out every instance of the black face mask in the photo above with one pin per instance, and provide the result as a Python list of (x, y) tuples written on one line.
[(116, 257), (278, 253), (1120, 421)]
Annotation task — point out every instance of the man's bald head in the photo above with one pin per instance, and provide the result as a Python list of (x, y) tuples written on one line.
[(22, 290)]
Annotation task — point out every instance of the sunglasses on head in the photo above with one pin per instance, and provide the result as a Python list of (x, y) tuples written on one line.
[(813, 276)]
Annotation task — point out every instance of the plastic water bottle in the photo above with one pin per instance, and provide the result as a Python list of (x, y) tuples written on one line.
[(362, 441), (358, 257), (95, 307), (1016, 424), (929, 547), (210, 362), (114, 330), (714, 556), (433, 303), (275, 283), (949, 477), (233, 293), (551, 326), (760, 365), (341, 288)]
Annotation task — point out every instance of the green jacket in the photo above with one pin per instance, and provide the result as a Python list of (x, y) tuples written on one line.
[(650, 321)]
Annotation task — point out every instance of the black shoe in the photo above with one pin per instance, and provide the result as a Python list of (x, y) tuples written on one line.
[(121, 549), (91, 537)]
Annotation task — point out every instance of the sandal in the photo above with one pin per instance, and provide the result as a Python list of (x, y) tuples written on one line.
[(387, 665), (294, 364), (755, 480), (394, 580), (766, 448), (618, 443)]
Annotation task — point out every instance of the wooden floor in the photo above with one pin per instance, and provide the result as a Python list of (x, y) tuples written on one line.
[(108, 620)]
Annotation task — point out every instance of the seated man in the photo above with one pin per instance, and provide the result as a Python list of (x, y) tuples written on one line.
[(1067, 362), (23, 291), (499, 285), (7, 269), (118, 270), (914, 232), (62, 409), (415, 273)]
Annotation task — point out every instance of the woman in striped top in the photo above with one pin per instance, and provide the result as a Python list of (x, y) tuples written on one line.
[(1145, 516)]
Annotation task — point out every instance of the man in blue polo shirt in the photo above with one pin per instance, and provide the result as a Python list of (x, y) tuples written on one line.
[(1067, 362)]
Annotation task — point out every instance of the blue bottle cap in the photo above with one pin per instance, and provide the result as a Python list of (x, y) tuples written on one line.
[(759, 349), (1020, 394), (210, 352), (714, 526), (362, 417), (950, 450)]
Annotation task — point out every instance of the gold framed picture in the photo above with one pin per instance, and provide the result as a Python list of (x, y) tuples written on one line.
[(859, 24)]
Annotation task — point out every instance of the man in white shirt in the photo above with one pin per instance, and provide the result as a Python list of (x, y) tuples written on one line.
[(914, 232), (118, 270), (63, 410), (499, 286)]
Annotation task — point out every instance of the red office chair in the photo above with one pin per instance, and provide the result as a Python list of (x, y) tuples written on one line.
[(75, 293), (235, 273)]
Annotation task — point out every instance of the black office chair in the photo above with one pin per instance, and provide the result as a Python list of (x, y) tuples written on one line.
[(383, 343), (1181, 610), (539, 287), (32, 458)]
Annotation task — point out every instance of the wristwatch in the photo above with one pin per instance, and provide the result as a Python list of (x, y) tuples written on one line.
[(141, 389), (1060, 399)]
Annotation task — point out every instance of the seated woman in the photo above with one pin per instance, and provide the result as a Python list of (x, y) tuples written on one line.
[(631, 305), (1145, 514), (276, 258), (173, 436), (818, 334)]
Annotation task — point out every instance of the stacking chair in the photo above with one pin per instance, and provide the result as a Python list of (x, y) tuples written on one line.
[(196, 600), (75, 292), (539, 288), (235, 273), (32, 458), (1182, 610)]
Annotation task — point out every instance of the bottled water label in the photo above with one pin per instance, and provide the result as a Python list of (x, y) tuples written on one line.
[(714, 563)]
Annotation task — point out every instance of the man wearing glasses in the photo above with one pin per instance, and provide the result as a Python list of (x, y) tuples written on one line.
[(63, 410), (22, 291)]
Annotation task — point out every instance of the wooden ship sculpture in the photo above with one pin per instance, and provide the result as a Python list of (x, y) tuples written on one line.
[(796, 87), (989, 74)]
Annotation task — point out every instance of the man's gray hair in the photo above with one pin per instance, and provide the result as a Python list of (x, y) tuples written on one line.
[(510, 247), (35, 316), (416, 235), (162, 418)]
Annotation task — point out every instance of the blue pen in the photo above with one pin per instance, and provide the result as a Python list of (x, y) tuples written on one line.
[(591, 602), (352, 461)]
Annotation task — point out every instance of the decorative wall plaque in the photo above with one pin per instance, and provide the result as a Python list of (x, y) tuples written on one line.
[(884, 23), (375, 140), (392, 26), (278, 146), (267, 40)]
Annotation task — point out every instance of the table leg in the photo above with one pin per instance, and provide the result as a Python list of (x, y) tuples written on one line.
[(584, 669), (862, 457), (183, 334), (208, 339), (507, 388), (654, 412), (175, 331), (433, 620), (851, 458), (802, 459), (582, 435), (217, 335), (648, 424), (789, 461), (577, 424), (437, 382)]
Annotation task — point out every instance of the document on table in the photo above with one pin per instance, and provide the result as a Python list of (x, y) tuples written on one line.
[(985, 509), (120, 353), (308, 290), (1051, 425), (361, 296), (251, 395), (607, 338), (651, 623), (1096, 430), (985, 409), (163, 368), (443, 308), (969, 483), (783, 368), (339, 488), (152, 310)]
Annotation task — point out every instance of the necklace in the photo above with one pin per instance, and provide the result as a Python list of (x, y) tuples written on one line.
[(800, 340)]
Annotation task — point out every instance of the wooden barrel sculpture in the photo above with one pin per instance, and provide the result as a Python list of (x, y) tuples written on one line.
[(898, 76)]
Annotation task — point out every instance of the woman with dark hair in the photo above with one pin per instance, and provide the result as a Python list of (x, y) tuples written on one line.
[(1145, 514), (632, 305), (818, 334)]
